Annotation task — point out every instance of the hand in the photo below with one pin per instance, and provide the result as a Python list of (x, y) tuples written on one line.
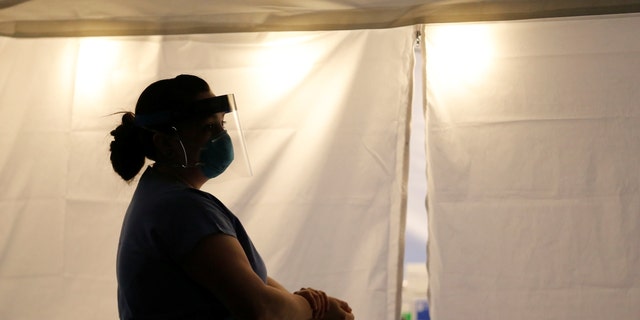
[(343, 305), (338, 310), (317, 299)]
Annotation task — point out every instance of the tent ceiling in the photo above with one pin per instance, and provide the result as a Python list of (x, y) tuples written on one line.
[(42, 18)]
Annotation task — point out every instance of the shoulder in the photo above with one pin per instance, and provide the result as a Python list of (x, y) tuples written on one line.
[(195, 200), (188, 202), (166, 204)]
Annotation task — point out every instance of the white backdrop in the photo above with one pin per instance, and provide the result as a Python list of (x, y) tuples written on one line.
[(325, 116), (533, 135)]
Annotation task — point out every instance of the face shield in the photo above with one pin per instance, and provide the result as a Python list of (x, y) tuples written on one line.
[(240, 167)]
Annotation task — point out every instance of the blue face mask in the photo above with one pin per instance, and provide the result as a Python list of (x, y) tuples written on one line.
[(217, 155)]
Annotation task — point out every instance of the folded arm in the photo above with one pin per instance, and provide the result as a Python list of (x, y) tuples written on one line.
[(219, 263)]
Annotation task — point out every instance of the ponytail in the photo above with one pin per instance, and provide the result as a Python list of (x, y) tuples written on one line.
[(127, 148)]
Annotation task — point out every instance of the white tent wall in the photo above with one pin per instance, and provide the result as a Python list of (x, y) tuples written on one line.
[(325, 118), (533, 139)]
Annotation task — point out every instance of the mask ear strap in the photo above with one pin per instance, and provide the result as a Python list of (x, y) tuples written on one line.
[(184, 151)]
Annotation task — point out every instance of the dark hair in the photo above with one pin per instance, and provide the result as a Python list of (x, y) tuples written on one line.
[(133, 142)]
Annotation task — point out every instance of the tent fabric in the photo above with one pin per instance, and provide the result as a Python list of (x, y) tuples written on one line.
[(533, 172), (533, 184), (325, 204), (41, 18)]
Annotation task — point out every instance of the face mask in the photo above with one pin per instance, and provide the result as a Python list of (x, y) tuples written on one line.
[(217, 155)]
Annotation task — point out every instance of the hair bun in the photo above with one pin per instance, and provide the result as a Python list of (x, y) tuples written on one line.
[(127, 153)]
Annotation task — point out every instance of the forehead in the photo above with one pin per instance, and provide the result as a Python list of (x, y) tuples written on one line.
[(217, 117)]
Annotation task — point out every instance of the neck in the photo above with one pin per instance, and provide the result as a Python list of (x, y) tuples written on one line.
[(192, 176)]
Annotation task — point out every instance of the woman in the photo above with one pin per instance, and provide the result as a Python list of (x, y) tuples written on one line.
[(182, 253)]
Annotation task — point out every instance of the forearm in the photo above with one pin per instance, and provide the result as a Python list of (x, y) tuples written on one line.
[(273, 283), (276, 285), (237, 286), (317, 303), (281, 304)]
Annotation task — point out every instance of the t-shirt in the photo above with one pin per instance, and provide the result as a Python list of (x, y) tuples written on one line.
[(164, 222)]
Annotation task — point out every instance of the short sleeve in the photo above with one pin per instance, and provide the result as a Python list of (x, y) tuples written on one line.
[(187, 218)]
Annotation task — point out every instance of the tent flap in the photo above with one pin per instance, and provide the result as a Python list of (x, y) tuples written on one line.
[(327, 149), (533, 143)]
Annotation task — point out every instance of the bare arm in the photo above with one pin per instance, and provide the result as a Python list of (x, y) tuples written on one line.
[(219, 263), (273, 283), (320, 303)]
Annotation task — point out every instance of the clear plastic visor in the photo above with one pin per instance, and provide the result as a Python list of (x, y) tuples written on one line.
[(240, 167)]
